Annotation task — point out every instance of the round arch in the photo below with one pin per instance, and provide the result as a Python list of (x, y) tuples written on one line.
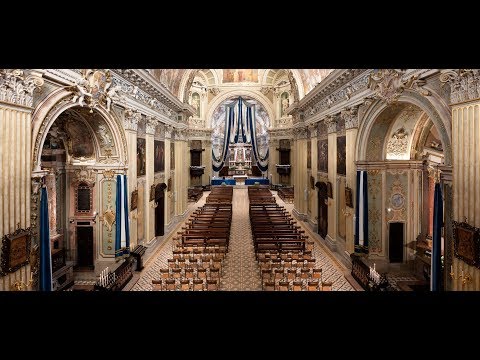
[(55, 104), (233, 93), (438, 117)]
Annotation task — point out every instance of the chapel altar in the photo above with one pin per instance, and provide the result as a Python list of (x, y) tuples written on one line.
[(240, 159)]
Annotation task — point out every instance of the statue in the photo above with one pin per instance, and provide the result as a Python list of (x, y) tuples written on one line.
[(80, 87), (284, 106), (113, 95)]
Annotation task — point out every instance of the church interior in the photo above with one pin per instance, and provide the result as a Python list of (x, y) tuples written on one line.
[(240, 180)]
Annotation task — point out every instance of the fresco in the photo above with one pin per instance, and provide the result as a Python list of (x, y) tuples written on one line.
[(79, 140), (311, 77), (240, 75), (169, 77)]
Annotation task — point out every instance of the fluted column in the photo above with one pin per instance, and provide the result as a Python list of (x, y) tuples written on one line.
[(16, 101), (350, 116), (207, 161), (299, 165), (313, 198), (465, 101), (168, 174), (149, 211), (130, 124), (331, 122)]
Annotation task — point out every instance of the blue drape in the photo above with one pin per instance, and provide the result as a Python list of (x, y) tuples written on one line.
[(361, 222), (262, 163), (122, 229), (436, 273), (45, 280), (217, 164)]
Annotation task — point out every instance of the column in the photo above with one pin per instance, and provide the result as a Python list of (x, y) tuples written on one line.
[(313, 197), (207, 161), (16, 100), (299, 166), (466, 172), (168, 174), (331, 122), (149, 211), (351, 129), (182, 173), (130, 124)]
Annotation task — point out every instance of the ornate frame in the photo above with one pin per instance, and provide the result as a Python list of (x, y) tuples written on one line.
[(466, 241), (16, 250), (348, 197)]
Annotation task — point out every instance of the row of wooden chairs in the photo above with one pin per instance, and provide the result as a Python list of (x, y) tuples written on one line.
[(220, 195), (185, 285), (313, 285), (290, 274), (286, 194)]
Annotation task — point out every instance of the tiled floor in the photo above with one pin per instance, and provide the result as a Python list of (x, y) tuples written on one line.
[(241, 271)]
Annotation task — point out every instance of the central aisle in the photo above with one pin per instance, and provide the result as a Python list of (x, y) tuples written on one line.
[(241, 270)]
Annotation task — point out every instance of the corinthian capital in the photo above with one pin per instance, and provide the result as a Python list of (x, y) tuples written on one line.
[(150, 125), (464, 84), (331, 122), (350, 116), (132, 117), (17, 88)]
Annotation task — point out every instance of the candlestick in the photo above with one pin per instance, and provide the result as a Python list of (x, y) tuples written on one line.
[(451, 268), (373, 266)]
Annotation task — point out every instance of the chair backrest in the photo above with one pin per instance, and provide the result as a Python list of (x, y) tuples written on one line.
[(297, 286), (170, 283), (185, 284), (327, 286), (212, 285), (269, 286), (197, 284), (317, 273), (283, 285), (312, 285), (156, 285)]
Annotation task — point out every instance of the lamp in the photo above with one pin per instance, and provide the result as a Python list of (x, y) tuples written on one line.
[(94, 218)]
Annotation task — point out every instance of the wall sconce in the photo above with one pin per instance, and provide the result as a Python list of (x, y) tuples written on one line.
[(154, 204), (71, 221), (466, 278), (94, 218), (346, 213), (328, 202)]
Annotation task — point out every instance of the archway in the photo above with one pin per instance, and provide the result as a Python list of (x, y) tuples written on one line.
[(78, 150), (401, 146)]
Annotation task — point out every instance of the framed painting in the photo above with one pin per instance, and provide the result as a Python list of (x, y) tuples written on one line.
[(348, 197), (466, 243), (152, 192), (141, 157), (134, 200), (329, 190), (15, 250)]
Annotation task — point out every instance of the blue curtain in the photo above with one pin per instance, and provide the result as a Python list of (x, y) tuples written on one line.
[(122, 229), (361, 213), (217, 164), (45, 280), (436, 273), (262, 163)]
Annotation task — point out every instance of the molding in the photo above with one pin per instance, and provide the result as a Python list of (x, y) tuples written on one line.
[(17, 86), (464, 84), (390, 164), (331, 243), (299, 216), (131, 119), (331, 122)]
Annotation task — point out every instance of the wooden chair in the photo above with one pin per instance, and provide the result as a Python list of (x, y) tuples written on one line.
[(170, 284), (172, 263), (215, 274), (181, 263), (311, 263), (327, 286), (164, 273), (304, 274), (185, 285), (317, 273), (283, 286), (291, 274), (266, 275), (202, 273), (212, 285), (278, 275), (157, 285), (197, 284), (269, 286), (313, 285), (297, 286), (176, 273)]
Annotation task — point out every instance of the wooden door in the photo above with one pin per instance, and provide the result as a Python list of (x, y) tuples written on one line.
[(85, 246), (322, 209)]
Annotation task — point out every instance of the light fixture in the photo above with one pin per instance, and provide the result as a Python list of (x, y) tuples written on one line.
[(95, 214)]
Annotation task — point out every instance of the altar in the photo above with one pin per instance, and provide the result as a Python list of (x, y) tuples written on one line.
[(240, 160)]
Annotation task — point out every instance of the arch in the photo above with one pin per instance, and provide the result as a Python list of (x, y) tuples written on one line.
[(233, 93), (55, 104), (435, 112)]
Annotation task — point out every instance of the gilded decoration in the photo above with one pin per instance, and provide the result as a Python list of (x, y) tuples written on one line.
[(374, 178)]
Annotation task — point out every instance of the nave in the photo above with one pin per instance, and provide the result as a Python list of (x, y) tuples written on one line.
[(241, 271)]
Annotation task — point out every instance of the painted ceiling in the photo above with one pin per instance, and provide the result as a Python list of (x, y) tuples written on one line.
[(171, 78)]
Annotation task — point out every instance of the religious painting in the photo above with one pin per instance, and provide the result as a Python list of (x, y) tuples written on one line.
[(329, 190), (466, 240), (15, 250), (141, 157), (134, 200), (79, 140), (348, 197), (159, 156), (172, 156), (341, 155), (196, 103), (309, 154), (322, 147), (312, 182), (240, 75)]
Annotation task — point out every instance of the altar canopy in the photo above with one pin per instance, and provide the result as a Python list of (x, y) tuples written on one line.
[(240, 137)]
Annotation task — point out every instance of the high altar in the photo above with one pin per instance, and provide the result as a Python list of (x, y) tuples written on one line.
[(240, 159)]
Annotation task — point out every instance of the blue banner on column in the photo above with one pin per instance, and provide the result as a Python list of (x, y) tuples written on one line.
[(45, 279), (361, 213), (436, 274)]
